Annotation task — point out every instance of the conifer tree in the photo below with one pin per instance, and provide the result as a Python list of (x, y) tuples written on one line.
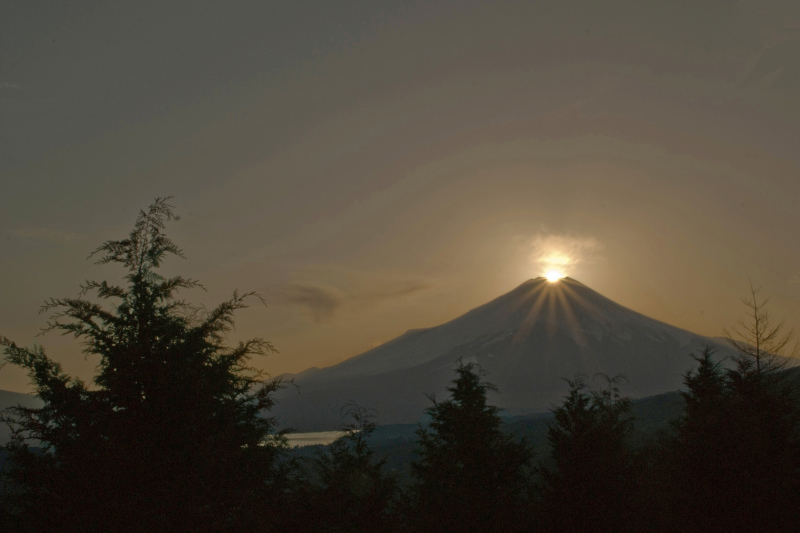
[(585, 486), (470, 475), (762, 342), (351, 491), (170, 436), (695, 460), (735, 462)]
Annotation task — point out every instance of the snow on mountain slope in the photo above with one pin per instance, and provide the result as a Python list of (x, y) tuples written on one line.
[(526, 341)]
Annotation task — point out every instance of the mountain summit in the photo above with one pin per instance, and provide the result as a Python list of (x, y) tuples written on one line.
[(526, 341)]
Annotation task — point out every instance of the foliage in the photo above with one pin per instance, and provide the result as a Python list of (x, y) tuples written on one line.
[(585, 488), (735, 461), (736, 458), (350, 490), (470, 475), (169, 436)]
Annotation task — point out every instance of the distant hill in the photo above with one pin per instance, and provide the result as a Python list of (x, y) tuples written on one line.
[(397, 443), (526, 341)]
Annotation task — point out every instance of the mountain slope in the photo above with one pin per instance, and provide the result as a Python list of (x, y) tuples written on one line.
[(526, 341)]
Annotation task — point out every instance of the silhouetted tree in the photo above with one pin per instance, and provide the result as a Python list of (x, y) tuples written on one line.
[(350, 489), (586, 485), (170, 437), (470, 475), (766, 422), (735, 460), (762, 342), (696, 460)]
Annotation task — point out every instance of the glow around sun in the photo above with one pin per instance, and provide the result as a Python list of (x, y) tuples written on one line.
[(557, 254)]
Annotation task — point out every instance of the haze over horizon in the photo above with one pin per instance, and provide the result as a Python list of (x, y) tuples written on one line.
[(375, 167)]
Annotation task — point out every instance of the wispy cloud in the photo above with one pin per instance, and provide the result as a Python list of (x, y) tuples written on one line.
[(12, 86), (390, 290), (319, 302), (322, 302), (562, 251), (46, 234)]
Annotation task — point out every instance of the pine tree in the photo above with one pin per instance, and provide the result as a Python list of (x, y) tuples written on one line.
[(351, 491), (170, 435), (763, 426), (735, 460), (696, 459), (585, 486), (470, 475)]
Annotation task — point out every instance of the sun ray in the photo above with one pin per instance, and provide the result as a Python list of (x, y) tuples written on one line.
[(559, 301), (552, 313), (523, 301), (538, 296), (572, 319)]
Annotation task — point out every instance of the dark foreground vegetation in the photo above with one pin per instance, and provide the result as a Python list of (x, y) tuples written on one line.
[(175, 435)]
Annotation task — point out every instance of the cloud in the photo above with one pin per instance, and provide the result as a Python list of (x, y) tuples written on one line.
[(562, 251), (7, 85), (44, 234), (390, 290), (321, 303)]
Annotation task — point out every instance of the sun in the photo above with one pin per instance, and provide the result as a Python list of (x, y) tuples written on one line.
[(554, 275)]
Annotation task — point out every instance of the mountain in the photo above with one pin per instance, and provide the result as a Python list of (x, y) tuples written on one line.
[(526, 341)]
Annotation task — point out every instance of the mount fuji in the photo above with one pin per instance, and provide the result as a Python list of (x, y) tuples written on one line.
[(526, 341)]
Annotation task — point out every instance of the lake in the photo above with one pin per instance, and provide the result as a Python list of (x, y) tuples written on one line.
[(316, 437)]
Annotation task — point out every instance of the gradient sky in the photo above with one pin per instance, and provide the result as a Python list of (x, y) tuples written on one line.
[(372, 166)]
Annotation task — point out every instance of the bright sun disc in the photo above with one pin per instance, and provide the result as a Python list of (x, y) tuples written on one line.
[(553, 275)]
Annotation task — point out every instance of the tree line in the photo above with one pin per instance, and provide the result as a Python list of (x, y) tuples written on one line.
[(174, 434)]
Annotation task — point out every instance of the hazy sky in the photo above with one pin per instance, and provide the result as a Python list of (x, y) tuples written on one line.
[(375, 166)]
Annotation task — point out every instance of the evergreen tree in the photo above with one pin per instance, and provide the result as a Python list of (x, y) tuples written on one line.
[(470, 475), (695, 460), (586, 485), (735, 462), (170, 436), (350, 490)]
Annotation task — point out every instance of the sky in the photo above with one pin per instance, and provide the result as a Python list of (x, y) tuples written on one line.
[(375, 166)]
